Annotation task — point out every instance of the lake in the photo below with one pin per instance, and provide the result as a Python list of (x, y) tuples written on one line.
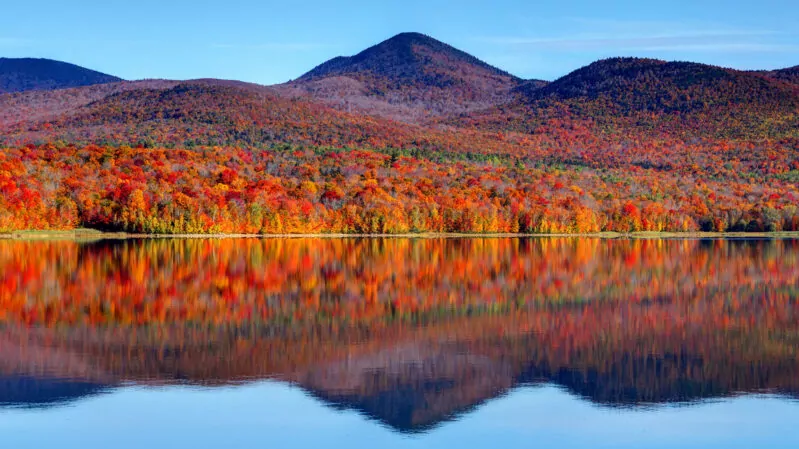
[(398, 342)]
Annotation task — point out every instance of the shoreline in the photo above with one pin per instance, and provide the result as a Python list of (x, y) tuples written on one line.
[(85, 234)]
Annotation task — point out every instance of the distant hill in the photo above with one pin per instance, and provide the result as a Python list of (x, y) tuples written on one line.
[(23, 74), (206, 111), (632, 84), (212, 112), (43, 105), (202, 112), (790, 74), (409, 77), (683, 98)]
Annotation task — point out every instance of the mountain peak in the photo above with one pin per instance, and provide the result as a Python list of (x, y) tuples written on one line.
[(408, 40), (409, 77), (412, 36), (406, 55)]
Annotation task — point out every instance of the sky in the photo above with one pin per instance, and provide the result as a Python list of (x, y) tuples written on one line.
[(269, 42)]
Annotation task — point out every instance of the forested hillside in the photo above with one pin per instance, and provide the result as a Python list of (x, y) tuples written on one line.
[(645, 97)]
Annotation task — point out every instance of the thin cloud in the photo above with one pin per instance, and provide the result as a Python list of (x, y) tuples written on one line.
[(703, 41), (589, 34), (13, 42), (753, 48), (660, 26), (92, 43), (275, 46)]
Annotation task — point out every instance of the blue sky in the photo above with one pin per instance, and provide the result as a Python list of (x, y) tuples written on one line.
[(269, 42)]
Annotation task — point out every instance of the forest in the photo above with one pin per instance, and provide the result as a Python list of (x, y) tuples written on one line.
[(296, 189)]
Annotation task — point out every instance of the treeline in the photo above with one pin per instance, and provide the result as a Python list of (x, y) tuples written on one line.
[(311, 190)]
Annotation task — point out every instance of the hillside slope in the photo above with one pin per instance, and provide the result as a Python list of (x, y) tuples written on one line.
[(43, 105)]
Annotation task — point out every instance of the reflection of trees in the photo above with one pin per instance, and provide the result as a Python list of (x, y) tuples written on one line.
[(370, 280)]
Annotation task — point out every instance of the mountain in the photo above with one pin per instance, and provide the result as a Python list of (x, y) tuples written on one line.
[(19, 75), (676, 98), (633, 84), (410, 58), (408, 77)]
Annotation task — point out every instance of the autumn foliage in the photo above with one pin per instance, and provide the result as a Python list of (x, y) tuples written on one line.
[(653, 186)]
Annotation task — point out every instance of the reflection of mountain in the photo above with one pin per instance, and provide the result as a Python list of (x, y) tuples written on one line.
[(412, 386), (414, 377), (24, 391)]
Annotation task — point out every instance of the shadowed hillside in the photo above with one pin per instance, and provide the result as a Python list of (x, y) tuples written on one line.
[(790, 74), (210, 112), (18, 75)]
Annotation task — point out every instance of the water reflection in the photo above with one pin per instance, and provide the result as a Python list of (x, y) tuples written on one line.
[(412, 333)]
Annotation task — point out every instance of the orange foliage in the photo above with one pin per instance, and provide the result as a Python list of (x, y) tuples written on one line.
[(322, 190)]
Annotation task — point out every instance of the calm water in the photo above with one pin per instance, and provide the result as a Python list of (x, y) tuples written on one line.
[(399, 343)]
